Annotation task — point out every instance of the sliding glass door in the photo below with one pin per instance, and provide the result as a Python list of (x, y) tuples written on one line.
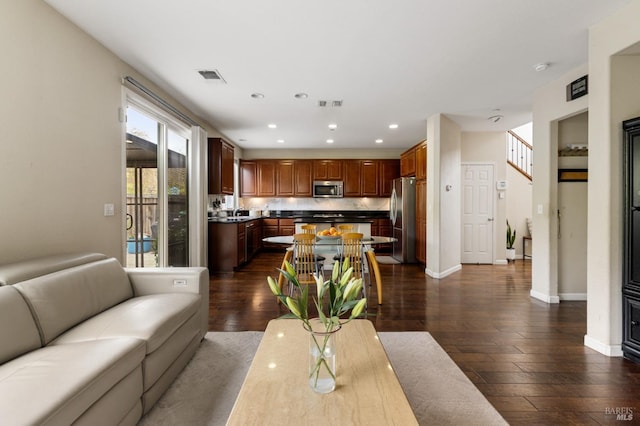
[(157, 190)]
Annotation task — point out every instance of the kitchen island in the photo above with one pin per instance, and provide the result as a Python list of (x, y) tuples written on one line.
[(234, 240)]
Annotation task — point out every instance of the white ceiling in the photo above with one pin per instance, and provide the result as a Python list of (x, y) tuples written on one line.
[(388, 61)]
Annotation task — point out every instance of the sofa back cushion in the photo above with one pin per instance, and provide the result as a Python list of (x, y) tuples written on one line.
[(60, 300), (18, 331), (13, 273)]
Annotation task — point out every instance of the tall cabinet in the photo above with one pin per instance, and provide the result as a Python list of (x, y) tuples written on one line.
[(631, 262)]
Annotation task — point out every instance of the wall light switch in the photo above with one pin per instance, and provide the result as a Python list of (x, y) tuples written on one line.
[(539, 208), (109, 210)]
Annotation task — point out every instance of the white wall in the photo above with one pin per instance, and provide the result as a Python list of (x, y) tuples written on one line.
[(443, 207), (613, 97), (61, 143)]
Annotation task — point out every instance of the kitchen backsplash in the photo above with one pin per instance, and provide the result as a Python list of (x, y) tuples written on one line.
[(333, 204)]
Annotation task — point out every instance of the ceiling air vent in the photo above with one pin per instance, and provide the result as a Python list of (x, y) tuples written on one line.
[(212, 75), (330, 103)]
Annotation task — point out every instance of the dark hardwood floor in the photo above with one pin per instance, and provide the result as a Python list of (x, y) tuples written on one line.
[(525, 356)]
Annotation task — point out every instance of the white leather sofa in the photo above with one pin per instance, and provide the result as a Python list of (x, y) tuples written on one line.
[(85, 341)]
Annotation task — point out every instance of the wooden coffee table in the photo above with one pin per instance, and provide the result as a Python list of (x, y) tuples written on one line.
[(276, 389)]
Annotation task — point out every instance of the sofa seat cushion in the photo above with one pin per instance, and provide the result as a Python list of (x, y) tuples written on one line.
[(153, 318), (56, 384)]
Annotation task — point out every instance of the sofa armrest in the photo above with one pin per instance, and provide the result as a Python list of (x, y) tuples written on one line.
[(146, 281)]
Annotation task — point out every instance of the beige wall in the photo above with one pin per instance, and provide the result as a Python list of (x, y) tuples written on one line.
[(614, 94), (572, 203), (61, 150), (549, 106)]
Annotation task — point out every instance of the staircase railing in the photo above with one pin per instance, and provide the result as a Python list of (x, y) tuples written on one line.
[(520, 154)]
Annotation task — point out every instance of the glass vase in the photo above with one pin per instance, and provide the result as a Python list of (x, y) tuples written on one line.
[(322, 356)]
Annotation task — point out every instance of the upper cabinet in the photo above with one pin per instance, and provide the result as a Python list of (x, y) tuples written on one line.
[(327, 170), (220, 166), (413, 162), (294, 178), (421, 160), (248, 179), (408, 163), (388, 170)]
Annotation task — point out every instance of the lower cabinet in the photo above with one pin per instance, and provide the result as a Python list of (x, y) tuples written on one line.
[(233, 244)]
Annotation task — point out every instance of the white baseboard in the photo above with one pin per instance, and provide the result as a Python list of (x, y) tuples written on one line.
[(608, 350), (501, 262), (443, 274), (544, 297), (573, 296)]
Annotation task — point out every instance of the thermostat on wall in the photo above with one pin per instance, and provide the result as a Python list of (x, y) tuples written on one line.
[(501, 185)]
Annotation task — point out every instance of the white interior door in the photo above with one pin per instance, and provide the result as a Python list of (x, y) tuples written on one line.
[(477, 213)]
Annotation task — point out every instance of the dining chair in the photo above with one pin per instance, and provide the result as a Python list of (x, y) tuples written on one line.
[(305, 260), (353, 249), (343, 229), (311, 229)]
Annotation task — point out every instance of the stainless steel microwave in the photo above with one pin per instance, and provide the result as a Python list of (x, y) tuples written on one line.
[(328, 189)]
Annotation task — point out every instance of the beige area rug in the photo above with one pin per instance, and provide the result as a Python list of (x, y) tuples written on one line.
[(437, 390), (387, 260)]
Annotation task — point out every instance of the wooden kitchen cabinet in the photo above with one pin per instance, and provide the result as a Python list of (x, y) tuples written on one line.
[(351, 171), (327, 170), (369, 178), (294, 178), (248, 179), (285, 178), (266, 178), (421, 160), (408, 163), (303, 179), (220, 166), (388, 170)]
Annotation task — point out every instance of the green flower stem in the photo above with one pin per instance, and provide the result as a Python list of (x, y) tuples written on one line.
[(321, 357)]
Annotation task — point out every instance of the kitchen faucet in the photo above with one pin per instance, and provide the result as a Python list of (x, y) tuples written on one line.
[(235, 211)]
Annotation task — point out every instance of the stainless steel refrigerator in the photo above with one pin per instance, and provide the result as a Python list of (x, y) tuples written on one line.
[(402, 212)]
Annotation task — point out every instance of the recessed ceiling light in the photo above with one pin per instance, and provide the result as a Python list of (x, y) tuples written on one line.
[(257, 95), (333, 126), (272, 126), (541, 67), (329, 140), (301, 95), (280, 141), (393, 126), (379, 141)]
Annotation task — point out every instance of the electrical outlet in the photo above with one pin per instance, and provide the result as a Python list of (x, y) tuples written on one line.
[(539, 208)]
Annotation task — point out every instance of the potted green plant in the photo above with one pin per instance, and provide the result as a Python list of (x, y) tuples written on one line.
[(511, 238)]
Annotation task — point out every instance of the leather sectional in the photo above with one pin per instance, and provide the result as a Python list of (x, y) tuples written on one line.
[(85, 341)]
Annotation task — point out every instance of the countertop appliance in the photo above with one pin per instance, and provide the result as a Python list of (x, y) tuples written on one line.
[(328, 188), (402, 212)]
